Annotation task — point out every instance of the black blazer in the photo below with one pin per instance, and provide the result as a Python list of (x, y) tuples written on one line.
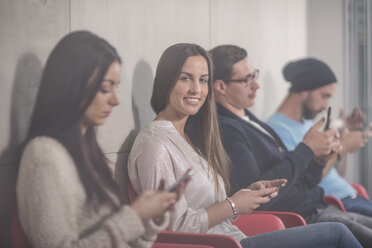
[(256, 156)]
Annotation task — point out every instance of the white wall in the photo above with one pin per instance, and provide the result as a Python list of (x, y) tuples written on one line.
[(272, 31)]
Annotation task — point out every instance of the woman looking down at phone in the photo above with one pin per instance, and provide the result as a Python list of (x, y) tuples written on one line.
[(66, 194), (185, 134)]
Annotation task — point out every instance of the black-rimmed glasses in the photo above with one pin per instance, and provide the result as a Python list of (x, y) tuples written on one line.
[(247, 80)]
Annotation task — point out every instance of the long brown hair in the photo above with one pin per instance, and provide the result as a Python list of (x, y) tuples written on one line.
[(66, 90), (202, 128)]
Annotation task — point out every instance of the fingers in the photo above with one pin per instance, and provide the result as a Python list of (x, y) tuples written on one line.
[(276, 183), (267, 192), (257, 185), (318, 124), (161, 185)]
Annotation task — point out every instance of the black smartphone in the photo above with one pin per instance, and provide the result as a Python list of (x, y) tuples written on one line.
[(326, 126), (185, 177)]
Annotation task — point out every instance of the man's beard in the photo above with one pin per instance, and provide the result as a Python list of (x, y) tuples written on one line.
[(307, 113)]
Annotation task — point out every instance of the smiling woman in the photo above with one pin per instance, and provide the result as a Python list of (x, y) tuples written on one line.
[(190, 91)]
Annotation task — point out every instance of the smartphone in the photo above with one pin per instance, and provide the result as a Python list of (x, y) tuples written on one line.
[(184, 179), (326, 126)]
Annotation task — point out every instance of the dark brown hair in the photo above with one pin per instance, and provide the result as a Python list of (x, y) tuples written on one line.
[(224, 57), (72, 76)]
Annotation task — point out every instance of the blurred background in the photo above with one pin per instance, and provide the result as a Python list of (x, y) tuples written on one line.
[(338, 32)]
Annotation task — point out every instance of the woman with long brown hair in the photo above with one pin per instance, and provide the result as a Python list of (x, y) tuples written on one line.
[(66, 194)]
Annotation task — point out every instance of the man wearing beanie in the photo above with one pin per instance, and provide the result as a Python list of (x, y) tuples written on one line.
[(312, 84), (257, 152)]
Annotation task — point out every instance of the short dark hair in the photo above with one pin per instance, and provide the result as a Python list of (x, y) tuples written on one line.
[(224, 57)]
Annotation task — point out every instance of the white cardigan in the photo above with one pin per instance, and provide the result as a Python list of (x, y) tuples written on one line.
[(160, 152), (53, 206)]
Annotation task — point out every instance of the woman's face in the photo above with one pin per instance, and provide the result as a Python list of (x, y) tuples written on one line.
[(191, 89), (106, 98)]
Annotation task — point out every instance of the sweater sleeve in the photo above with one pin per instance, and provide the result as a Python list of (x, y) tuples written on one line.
[(53, 206), (151, 163), (312, 175), (246, 169)]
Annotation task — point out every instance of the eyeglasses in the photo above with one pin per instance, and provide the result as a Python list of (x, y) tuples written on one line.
[(247, 80)]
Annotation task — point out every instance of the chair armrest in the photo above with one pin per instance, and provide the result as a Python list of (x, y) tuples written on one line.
[(361, 190), (253, 224), (289, 219)]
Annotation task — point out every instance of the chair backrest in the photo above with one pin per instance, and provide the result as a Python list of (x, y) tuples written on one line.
[(253, 224), (361, 190), (19, 239), (335, 201), (289, 219)]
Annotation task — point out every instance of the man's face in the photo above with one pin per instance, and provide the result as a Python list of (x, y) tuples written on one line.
[(317, 101), (241, 90)]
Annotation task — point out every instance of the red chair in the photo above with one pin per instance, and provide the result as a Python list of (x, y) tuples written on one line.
[(289, 219), (169, 237), (18, 237), (335, 201), (213, 240), (253, 224), (361, 190), (172, 245)]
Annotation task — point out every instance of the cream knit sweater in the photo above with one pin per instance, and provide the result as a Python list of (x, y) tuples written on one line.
[(53, 206)]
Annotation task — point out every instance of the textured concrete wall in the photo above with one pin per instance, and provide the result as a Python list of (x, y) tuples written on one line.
[(272, 31)]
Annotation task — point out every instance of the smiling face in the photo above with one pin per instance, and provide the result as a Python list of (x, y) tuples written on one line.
[(239, 96), (106, 98), (190, 90)]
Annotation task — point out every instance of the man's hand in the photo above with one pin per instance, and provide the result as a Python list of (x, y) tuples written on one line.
[(352, 140), (355, 121), (322, 143)]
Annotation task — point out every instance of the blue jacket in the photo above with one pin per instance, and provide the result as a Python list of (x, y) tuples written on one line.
[(256, 156)]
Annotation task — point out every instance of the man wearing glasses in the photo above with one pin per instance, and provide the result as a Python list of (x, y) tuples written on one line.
[(257, 152)]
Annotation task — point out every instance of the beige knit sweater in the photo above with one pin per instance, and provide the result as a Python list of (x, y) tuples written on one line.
[(53, 206)]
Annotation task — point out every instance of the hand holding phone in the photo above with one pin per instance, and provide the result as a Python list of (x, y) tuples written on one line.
[(182, 181), (327, 120), (280, 186)]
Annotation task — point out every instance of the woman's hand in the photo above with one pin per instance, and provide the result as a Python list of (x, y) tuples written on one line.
[(268, 184), (247, 200), (151, 204)]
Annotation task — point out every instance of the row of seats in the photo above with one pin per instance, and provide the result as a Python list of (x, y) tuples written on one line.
[(251, 224)]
